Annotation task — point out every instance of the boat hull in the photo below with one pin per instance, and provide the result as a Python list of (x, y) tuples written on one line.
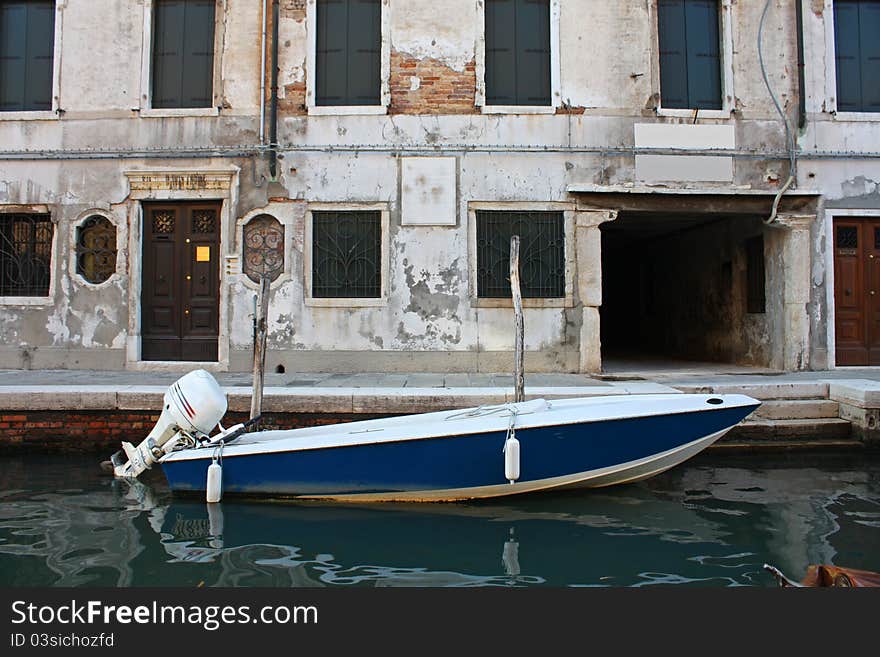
[(459, 467)]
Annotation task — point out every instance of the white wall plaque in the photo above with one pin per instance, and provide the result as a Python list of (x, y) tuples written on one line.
[(428, 191)]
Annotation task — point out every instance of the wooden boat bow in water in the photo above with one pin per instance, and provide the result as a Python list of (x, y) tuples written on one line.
[(825, 575)]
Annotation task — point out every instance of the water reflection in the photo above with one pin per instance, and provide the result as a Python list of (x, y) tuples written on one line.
[(64, 523)]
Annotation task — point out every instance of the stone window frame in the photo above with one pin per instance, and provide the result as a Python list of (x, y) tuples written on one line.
[(555, 68), (567, 208), (384, 72), (55, 112), (831, 73), (281, 212), (725, 11), (121, 240), (48, 300), (145, 97), (186, 185), (385, 253)]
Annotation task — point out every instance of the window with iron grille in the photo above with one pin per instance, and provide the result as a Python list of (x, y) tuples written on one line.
[(542, 253), (183, 53), (25, 255), (755, 301), (517, 52), (346, 254), (690, 59), (27, 46), (857, 55), (348, 44), (96, 249), (263, 248)]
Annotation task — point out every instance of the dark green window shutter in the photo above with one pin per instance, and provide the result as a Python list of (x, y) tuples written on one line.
[(183, 53), (869, 24), (847, 56), (517, 52), (348, 52), (673, 54), (198, 68), (27, 44), (533, 52), (704, 61), (501, 52), (690, 58)]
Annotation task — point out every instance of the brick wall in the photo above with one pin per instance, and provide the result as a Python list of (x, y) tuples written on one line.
[(45, 432), (426, 86)]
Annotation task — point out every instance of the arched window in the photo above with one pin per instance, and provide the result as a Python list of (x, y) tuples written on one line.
[(96, 249), (263, 248)]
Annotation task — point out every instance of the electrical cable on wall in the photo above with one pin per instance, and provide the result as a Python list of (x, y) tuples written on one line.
[(789, 137)]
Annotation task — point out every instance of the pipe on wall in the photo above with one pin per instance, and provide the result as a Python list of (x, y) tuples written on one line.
[(273, 108)]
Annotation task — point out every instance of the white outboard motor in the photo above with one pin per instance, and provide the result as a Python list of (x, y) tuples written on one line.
[(192, 407)]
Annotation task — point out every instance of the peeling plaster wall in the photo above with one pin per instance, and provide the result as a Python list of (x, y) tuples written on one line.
[(848, 183), (608, 74), (100, 63)]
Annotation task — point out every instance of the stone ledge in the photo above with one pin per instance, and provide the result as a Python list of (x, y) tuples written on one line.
[(862, 393)]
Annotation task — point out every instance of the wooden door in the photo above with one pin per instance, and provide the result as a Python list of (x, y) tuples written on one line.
[(857, 291), (180, 294)]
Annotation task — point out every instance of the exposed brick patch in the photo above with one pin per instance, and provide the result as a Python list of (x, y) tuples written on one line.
[(569, 110), (294, 101), (427, 86), (295, 9), (49, 432)]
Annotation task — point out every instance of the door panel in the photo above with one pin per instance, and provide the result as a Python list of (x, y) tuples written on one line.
[(181, 282)]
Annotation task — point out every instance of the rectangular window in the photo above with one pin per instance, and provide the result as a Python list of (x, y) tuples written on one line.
[(25, 255), (690, 60), (755, 302), (348, 44), (347, 254), (183, 54), (857, 54), (518, 52), (542, 253), (27, 46)]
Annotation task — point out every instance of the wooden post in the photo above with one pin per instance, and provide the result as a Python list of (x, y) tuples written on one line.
[(519, 325), (260, 349)]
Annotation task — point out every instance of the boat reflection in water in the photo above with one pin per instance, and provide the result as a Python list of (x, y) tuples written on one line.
[(699, 524)]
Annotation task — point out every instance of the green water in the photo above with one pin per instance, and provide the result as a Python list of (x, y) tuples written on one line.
[(713, 521)]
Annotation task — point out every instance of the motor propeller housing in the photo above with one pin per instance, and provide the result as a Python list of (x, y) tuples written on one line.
[(192, 406)]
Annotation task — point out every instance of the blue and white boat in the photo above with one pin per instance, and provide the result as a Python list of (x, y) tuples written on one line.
[(483, 452)]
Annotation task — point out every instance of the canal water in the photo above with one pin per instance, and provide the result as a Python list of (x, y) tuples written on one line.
[(713, 521)]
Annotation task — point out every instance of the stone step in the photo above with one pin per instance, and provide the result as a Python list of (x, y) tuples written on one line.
[(763, 390), (790, 430), (797, 409)]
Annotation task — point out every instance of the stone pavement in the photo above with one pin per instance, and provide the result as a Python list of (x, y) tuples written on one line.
[(408, 392)]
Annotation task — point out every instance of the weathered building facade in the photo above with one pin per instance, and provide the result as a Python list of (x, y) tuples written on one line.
[(680, 190)]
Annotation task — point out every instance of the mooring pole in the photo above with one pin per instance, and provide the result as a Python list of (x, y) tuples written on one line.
[(260, 349), (519, 326)]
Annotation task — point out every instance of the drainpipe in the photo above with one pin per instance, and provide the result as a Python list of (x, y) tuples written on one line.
[(273, 108), (263, 79), (802, 85)]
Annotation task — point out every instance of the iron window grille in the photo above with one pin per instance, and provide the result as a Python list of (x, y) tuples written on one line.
[(690, 58), (542, 253), (96, 249), (346, 254), (25, 255), (263, 248)]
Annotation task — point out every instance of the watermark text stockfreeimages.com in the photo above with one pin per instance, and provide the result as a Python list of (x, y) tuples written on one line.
[(209, 617)]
